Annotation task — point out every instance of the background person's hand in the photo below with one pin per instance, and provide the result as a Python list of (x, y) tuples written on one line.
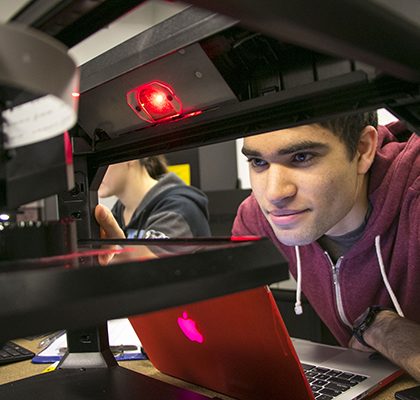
[(109, 229)]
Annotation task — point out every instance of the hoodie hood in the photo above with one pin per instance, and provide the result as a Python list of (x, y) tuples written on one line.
[(393, 168), (389, 150)]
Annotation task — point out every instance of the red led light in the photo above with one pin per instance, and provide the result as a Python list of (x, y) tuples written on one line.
[(154, 101)]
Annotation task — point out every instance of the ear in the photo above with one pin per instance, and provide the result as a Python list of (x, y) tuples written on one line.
[(366, 149)]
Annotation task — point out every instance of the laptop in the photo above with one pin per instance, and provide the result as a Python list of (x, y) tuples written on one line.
[(238, 345)]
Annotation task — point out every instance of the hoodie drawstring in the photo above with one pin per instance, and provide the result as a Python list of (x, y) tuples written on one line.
[(385, 278), (298, 304)]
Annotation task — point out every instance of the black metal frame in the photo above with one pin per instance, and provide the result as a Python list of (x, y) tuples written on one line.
[(40, 296), (187, 27), (361, 30), (71, 21), (359, 89), (296, 106)]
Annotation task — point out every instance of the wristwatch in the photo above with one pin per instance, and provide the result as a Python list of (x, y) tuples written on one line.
[(364, 321)]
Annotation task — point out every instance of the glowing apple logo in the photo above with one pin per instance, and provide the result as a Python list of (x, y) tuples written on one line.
[(189, 328)]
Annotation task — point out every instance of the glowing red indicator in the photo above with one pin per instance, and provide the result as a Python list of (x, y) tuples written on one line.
[(189, 328), (75, 94), (154, 101), (193, 114), (244, 238), (68, 150)]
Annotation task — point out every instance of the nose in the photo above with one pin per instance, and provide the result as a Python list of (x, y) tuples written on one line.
[(280, 184)]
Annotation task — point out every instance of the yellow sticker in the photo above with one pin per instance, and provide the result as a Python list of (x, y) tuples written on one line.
[(183, 172)]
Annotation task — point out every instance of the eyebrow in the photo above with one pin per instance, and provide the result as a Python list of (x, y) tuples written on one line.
[(296, 147)]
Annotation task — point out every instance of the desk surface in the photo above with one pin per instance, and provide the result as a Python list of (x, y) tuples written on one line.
[(23, 369)]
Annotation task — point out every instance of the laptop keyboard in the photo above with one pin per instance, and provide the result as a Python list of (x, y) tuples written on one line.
[(329, 383), (12, 352)]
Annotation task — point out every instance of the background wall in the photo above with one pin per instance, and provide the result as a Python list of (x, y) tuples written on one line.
[(127, 26)]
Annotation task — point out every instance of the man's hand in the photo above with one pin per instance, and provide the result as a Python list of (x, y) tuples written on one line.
[(109, 228), (356, 345), (396, 338)]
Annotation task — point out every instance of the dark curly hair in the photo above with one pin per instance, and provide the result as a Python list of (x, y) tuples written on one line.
[(349, 128)]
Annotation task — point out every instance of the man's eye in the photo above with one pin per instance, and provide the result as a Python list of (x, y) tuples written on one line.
[(302, 157), (257, 162)]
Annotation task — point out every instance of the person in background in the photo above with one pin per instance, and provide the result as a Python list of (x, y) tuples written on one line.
[(341, 201), (152, 203)]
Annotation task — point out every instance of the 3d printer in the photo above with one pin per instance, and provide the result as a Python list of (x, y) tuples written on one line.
[(196, 78)]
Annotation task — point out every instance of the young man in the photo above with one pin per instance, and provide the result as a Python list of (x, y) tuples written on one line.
[(341, 200)]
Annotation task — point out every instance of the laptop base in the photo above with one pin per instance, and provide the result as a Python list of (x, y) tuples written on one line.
[(115, 383)]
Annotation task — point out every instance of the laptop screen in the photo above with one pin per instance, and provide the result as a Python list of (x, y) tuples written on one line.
[(236, 344)]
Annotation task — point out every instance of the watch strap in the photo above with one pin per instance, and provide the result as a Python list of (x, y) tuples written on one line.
[(364, 321)]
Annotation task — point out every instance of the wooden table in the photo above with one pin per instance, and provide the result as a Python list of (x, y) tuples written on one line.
[(23, 369)]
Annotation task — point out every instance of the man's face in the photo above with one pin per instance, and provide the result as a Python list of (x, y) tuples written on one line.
[(305, 183), (114, 180)]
